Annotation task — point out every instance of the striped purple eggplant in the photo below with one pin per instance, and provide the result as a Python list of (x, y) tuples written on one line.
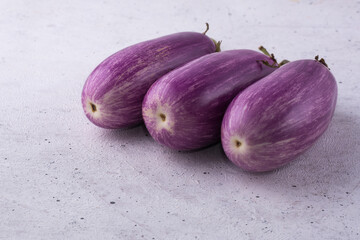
[(114, 91), (183, 109), (279, 117)]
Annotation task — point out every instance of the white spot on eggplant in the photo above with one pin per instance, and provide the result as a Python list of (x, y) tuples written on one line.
[(163, 121), (160, 115)]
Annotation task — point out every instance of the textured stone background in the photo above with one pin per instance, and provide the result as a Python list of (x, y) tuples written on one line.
[(63, 178)]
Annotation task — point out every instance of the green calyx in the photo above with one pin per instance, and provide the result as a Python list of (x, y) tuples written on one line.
[(322, 61), (275, 63), (217, 43)]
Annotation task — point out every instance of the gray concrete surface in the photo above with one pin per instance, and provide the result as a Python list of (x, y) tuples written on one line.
[(63, 178)]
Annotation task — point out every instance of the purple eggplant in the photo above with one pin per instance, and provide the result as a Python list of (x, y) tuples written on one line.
[(279, 117), (114, 91), (184, 109)]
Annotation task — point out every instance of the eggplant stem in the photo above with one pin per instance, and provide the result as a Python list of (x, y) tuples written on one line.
[(283, 62), (322, 61), (207, 28), (266, 63), (217, 46), (272, 56), (262, 49), (217, 43)]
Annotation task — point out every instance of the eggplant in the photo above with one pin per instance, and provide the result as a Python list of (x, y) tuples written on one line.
[(279, 117), (114, 91), (184, 109)]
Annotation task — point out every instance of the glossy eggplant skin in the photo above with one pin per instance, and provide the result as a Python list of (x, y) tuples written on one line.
[(184, 109), (114, 91), (279, 117)]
